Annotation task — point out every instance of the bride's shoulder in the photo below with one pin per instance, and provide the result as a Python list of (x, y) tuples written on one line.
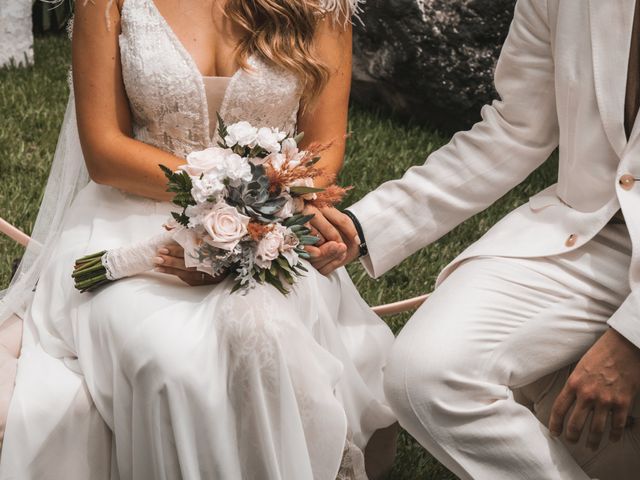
[(98, 9)]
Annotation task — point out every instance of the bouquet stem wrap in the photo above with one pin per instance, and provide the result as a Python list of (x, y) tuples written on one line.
[(100, 268), (134, 259)]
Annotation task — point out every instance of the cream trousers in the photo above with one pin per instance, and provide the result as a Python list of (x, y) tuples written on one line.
[(500, 329)]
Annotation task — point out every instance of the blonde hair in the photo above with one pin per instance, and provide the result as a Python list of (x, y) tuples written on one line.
[(282, 32)]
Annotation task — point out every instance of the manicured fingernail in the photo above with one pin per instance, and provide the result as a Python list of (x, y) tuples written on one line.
[(158, 260), (163, 251)]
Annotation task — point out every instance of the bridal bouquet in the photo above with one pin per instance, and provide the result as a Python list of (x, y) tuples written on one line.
[(241, 212)]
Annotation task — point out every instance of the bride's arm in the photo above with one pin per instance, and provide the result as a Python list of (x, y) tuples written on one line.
[(112, 156), (325, 119)]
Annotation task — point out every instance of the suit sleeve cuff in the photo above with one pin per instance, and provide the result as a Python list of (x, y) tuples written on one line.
[(626, 320)]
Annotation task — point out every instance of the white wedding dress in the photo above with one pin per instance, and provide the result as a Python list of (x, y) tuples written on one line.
[(192, 382)]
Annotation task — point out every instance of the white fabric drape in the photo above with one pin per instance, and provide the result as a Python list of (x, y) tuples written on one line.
[(68, 176)]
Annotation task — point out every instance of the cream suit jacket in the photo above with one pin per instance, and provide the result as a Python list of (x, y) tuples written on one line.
[(561, 80)]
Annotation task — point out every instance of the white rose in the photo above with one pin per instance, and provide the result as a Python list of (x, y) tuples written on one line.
[(241, 133), (225, 226), (204, 161), (270, 139), (268, 248), (207, 186), (237, 169), (305, 182)]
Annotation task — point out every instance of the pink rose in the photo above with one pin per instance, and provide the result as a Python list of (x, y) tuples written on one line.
[(268, 248), (288, 248), (225, 226)]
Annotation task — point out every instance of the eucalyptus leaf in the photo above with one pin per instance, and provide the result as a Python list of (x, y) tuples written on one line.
[(305, 190), (309, 240)]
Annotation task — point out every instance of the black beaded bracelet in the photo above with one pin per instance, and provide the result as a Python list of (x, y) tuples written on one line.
[(364, 251)]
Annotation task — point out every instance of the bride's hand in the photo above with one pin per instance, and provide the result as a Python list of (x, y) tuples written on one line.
[(170, 260)]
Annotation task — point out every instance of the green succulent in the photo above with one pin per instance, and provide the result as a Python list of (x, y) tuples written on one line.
[(254, 197)]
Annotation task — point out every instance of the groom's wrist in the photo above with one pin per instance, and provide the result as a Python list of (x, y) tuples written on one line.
[(363, 249)]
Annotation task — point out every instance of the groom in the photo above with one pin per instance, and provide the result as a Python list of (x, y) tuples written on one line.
[(553, 283)]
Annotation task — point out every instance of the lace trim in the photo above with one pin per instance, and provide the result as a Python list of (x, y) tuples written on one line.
[(106, 263)]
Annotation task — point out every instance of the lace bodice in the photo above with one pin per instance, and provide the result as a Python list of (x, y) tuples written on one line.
[(167, 93)]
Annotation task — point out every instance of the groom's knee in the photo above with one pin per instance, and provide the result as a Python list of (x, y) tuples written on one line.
[(394, 380), (430, 377), (411, 384)]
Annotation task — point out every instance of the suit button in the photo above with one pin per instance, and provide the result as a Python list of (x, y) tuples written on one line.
[(627, 181), (571, 241)]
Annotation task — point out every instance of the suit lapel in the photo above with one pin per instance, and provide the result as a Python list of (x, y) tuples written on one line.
[(611, 27)]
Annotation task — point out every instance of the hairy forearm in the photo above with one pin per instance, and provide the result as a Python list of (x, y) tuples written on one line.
[(131, 166)]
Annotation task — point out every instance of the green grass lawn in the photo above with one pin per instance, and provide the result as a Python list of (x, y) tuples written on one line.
[(32, 104)]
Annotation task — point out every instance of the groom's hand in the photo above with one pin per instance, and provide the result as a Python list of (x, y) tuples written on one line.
[(327, 260), (603, 386), (331, 247)]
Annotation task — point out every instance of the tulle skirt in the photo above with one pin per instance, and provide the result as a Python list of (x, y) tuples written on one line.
[(197, 382)]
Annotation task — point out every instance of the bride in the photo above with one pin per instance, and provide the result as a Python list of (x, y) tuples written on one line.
[(191, 381)]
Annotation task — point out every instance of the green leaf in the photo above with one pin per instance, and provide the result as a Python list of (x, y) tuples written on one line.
[(222, 130), (283, 264), (167, 171), (181, 218), (298, 138), (305, 190), (273, 280), (309, 240), (299, 230), (299, 219), (289, 278)]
